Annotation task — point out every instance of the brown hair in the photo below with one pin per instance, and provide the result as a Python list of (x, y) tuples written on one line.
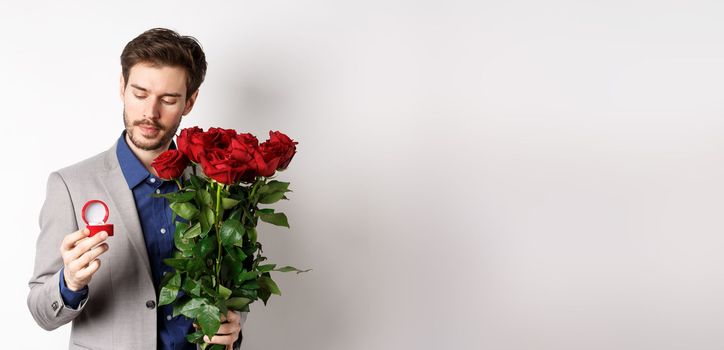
[(165, 47)]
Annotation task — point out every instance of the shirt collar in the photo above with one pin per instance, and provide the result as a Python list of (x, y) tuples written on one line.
[(133, 169)]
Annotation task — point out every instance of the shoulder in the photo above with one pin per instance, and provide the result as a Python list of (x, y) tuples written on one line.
[(91, 167)]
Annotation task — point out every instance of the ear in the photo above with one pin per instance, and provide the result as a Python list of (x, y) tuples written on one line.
[(190, 102), (122, 87)]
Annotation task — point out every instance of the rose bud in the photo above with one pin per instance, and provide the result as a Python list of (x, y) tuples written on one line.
[(170, 164), (278, 146)]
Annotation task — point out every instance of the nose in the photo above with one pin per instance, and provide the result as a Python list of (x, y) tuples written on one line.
[(151, 109)]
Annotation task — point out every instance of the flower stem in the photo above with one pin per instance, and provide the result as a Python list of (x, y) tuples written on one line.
[(218, 235)]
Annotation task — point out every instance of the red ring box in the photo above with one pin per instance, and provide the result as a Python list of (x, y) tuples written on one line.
[(97, 212)]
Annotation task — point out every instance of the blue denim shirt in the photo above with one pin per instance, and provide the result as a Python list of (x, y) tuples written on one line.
[(158, 229)]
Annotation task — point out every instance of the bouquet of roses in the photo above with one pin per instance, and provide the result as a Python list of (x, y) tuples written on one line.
[(218, 260)]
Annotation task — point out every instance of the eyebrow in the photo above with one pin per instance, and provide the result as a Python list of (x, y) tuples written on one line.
[(172, 94)]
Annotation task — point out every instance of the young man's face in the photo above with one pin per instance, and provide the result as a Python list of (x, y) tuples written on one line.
[(154, 100)]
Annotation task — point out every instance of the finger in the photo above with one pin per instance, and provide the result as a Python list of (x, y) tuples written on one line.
[(87, 273), (229, 328), (221, 339), (70, 239), (87, 244), (90, 255)]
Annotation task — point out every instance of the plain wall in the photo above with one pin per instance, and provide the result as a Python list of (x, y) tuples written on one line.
[(470, 175)]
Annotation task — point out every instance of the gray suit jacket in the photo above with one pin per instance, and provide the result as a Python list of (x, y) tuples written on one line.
[(120, 310)]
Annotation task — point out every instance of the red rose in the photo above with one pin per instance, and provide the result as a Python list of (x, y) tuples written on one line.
[(264, 167), (220, 166), (278, 146), (183, 141), (244, 149), (215, 138), (170, 164)]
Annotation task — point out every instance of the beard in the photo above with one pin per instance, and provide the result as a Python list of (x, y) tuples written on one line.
[(166, 134)]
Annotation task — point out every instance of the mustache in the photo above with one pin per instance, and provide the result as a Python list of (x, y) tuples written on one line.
[(148, 123)]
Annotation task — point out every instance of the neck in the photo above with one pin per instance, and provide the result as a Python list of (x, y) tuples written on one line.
[(147, 157)]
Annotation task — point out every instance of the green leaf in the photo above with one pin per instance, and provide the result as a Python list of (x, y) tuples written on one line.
[(231, 265), (181, 226), (166, 277), (181, 197), (210, 216), (192, 287), (271, 198), (252, 235), (264, 295), (240, 254), (237, 303), (224, 292), (209, 319), (267, 283), (246, 276), (193, 307), (266, 268), (179, 264), (185, 246), (273, 186), (207, 220), (193, 231), (279, 186), (232, 232), (205, 246), (228, 203), (265, 211), (185, 210), (278, 219), (170, 290), (251, 285), (204, 198), (179, 304), (236, 214), (196, 181), (290, 269), (196, 266), (246, 293), (195, 337)]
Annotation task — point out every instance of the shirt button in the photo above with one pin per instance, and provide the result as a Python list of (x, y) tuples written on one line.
[(168, 318), (163, 230), (158, 191), (152, 180), (150, 304)]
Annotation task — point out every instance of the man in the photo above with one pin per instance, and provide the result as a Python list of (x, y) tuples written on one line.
[(113, 305)]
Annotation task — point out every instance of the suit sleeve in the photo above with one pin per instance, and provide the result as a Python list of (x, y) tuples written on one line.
[(57, 219)]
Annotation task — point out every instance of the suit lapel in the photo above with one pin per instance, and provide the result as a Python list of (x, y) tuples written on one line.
[(122, 200)]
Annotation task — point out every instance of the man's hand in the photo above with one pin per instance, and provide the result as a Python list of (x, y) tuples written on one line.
[(228, 333), (80, 257)]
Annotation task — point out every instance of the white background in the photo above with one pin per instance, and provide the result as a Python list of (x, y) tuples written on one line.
[(470, 175)]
